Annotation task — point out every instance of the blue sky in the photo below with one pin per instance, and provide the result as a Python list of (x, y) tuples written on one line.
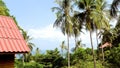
[(36, 17)]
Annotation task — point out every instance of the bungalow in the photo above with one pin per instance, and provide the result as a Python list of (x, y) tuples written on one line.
[(11, 42)]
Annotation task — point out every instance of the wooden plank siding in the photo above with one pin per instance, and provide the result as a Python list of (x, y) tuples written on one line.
[(7, 60)]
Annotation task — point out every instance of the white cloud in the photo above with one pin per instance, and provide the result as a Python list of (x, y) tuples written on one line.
[(48, 32), (53, 34)]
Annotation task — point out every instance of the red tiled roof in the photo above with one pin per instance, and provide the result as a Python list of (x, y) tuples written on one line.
[(11, 40)]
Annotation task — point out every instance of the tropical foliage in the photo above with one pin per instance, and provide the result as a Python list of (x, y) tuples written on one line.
[(90, 15), (3, 9)]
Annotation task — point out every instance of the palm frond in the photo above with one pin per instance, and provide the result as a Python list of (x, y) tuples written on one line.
[(59, 21), (114, 8), (56, 8)]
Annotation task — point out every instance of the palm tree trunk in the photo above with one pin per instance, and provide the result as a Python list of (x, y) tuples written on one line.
[(97, 42), (102, 53), (23, 60), (75, 44), (68, 51), (92, 49), (96, 37), (103, 56), (62, 51)]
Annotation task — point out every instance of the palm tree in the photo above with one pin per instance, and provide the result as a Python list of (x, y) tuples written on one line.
[(114, 13), (104, 18), (77, 28), (87, 6), (79, 45), (37, 54), (63, 47), (102, 34), (26, 57), (92, 14), (63, 20), (114, 10), (28, 39)]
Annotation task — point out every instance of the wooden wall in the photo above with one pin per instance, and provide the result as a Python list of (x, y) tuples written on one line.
[(6, 60)]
